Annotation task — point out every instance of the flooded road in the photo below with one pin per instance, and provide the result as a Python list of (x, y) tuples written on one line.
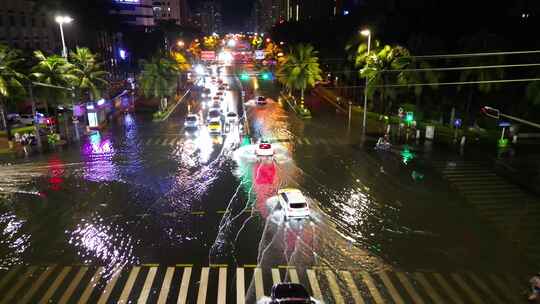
[(144, 193)]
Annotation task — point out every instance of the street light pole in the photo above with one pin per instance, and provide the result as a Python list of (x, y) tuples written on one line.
[(368, 34), (61, 20)]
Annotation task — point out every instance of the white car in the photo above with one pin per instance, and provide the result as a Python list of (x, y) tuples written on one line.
[(264, 149), (232, 118), (192, 122), (293, 202)]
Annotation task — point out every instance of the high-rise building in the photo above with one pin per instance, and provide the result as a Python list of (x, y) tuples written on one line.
[(208, 17), (176, 10), (134, 12), (23, 27)]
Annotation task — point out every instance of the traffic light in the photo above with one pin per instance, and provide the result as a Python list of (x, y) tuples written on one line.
[(266, 75), (409, 117), (244, 76), (491, 112)]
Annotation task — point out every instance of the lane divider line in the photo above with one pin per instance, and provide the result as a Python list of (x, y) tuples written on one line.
[(184, 285)]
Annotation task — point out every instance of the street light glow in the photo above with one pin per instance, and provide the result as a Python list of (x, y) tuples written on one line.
[(365, 32), (63, 19)]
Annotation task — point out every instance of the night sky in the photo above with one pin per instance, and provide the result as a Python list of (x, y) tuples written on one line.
[(235, 12)]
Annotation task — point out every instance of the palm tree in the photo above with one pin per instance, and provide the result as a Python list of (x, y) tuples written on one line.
[(300, 69), (10, 80), (88, 76), (382, 67), (53, 72), (158, 78)]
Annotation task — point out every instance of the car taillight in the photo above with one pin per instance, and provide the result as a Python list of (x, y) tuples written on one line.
[(264, 146)]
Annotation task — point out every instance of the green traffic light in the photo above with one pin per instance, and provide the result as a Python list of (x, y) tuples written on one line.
[(244, 76), (409, 117), (266, 76)]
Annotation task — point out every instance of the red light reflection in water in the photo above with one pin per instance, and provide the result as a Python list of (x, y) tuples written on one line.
[(56, 173), (265, 185)]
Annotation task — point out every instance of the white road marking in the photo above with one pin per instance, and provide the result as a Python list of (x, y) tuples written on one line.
[(124, 296), (91, 285), (143, 297), (28, 295), (54, 286), (222, 286), (334, 288), (368, 280), (391, 288), (203, 285), (182, 296), (347, 276), (165, 286), (294, 276), (434, 295), (13, 290), (448, 288), (312, 277), (276, 277), (240, 288), (74, 283), (468, 290), (110, 286), (409, 288), (259, 289)]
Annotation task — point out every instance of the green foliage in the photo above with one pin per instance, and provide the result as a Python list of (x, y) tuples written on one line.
[(300, 69), (88, 74), (53, 71), (10, 77), (158, 77)]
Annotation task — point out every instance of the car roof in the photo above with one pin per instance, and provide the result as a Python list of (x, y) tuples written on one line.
[(290, 290), (231, 114), (293, 195), (193, 115)]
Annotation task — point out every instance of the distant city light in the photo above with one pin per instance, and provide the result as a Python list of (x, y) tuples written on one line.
[(199, 69), (123, 54), (345, 13), (231, 43), (101, 102)]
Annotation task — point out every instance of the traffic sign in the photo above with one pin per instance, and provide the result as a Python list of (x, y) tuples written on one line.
[(208, 55), (504, 124)]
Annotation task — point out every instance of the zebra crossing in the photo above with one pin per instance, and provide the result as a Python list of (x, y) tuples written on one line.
[(184, 283), (513, 211), (300, 141)]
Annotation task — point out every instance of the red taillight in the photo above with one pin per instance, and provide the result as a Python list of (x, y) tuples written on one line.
[(264, 146)]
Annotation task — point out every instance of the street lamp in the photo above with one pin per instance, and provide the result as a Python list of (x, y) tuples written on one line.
[(180, 43), (61, 20), (366, 33)]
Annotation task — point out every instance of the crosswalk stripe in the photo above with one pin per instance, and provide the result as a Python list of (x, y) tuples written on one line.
[(294, 276), (8, 276), (312, 277), (299, 140), (143, 296), (391, 288), (409, 288), (148, 141), (165, 286), (184, 285), (323, 141), (352, 287), (222, 286), (91, 285), (54, 286), (307, 141), (480, 283), (276, 277), (334, 288), (203, 285), (448, 288), (124, 296), (13, 290), (468, 290), (240, 288), (109, 287), (503, 286), (259, 291), (368, 280), (434, 295), (28, 295), (74, 283)]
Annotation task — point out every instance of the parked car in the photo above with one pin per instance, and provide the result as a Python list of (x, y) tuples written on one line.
[(27, 119), (290, 293), (293, 202)]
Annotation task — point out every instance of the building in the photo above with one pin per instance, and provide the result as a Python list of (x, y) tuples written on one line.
[(22, 27), (177, 10), (208, 17), (134, 12), (301, 10)]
